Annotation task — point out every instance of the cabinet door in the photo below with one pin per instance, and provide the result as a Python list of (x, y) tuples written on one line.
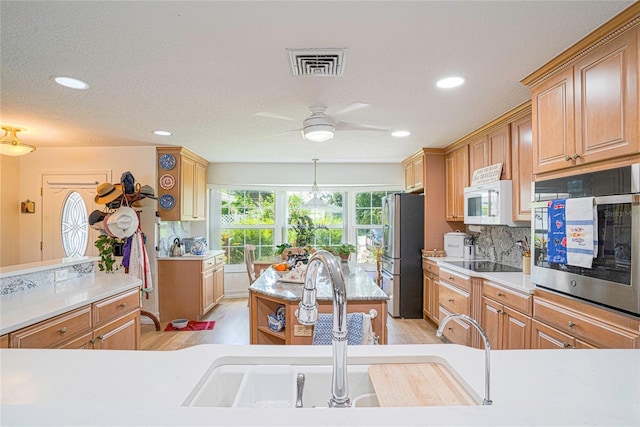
[(208, 292), (456, 331), (457, 178), (84, 342), (200, 197), (187, 193), (409, 178), (492, 322), (499, 142), (516, 330), (606, 82), (426, 302), (121, 334), (478, 154), (434, 294), (418, 172), (218, 283), (553, 122), (4, 341), (545, 337), (522, 155)]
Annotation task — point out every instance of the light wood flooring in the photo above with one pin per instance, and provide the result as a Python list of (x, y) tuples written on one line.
[(232, 327)]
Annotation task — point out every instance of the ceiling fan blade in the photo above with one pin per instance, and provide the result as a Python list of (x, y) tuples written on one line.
[(269, 115), (349, 108), (353, 126), (287, 132)]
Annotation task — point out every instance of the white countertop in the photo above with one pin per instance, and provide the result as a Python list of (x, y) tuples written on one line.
[(517, 281), (528, 387), (20, 309), (33, 267), (204, 256)]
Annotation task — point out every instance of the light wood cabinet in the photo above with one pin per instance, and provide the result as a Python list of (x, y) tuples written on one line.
[(111, 323), (4, 341), (591, 325), (189, 288), (182, 189), (586, 114), (430, 293), (414, 173), (294, 333), (507, 329), (456, 331), (522, 159), (457, 178), (454, 296), (492, 148)]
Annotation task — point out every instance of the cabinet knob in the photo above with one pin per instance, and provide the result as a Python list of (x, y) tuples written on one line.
[(576, 156), (450, 328), (571, 324), (450, 299), (63, 330), (123, 305), (500, 294), (499, 311), (566, 345), (101, 337), (451, 277), (567, 158)]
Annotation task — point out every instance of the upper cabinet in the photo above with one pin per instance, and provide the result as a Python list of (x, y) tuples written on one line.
[(522, 157), (414, 173), (182, 177), (492, 148), (457, 178), (585, 102)]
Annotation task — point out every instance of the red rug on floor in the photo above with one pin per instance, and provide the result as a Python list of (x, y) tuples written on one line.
[(192, 326)]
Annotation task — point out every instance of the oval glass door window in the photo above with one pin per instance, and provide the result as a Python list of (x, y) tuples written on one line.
[(74, 225)]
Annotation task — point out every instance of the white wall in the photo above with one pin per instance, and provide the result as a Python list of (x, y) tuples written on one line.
[(10, 210)]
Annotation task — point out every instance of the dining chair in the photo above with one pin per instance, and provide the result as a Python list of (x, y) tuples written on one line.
[(249, 258)]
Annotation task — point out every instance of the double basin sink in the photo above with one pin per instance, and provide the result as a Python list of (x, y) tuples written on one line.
[(238, 382)]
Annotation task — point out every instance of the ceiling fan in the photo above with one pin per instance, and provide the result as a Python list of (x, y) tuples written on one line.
[(320, 127)]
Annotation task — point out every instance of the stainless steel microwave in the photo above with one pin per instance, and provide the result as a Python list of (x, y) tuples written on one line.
[(614, 277)]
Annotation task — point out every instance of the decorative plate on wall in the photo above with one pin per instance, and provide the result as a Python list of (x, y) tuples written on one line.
[(167, 161), (167, 181), (167, 201)]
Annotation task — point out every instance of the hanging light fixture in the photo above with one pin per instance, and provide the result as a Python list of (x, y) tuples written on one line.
[(11, 145), (315, 201)]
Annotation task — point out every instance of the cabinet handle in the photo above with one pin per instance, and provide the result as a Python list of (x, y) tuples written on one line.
[(567, 158), (500, 294), (92, 341), (499, 311), (450, 299), (450, 328), (451, 278), (63, 330), (571, 324), (566, 345), (101, 337), (576, 156), (123, 305)]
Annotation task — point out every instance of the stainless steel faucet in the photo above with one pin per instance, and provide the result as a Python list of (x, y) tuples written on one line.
[(487, 365), (307, 314)]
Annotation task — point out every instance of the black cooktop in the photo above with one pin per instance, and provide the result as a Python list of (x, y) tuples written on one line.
[(485, 266)]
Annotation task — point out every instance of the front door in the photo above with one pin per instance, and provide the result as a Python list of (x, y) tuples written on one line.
[(66, 198)]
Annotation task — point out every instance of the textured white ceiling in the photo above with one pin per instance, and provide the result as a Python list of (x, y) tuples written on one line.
[(204, 69)]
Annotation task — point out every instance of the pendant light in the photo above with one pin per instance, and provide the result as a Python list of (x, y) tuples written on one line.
[(315, 201), (11, 145)]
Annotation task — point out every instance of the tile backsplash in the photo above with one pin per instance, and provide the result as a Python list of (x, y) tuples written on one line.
[(498, 243)]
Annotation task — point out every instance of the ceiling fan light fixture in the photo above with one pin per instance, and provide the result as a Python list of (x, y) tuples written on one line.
[(319, 133), (10, 145)]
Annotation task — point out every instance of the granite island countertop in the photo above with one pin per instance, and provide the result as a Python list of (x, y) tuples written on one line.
[(360, 286), (187, 257)]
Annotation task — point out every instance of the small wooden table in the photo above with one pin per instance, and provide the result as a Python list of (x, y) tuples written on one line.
[(262, 264)]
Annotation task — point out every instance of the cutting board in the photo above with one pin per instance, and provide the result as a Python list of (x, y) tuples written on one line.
[(417, 384)]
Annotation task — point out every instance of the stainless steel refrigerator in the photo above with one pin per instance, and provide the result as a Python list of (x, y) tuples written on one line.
[(403, 240)]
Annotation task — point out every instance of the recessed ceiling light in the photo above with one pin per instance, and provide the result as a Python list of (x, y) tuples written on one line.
[(400, 133), (70, 82), (450, 82), (162, 132)]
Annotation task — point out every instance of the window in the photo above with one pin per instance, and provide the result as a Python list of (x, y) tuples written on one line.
[(74, 225), (368, 224), (315, 226), (247, 217)]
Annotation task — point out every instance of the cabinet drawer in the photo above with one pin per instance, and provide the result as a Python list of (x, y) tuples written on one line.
[(520, 302), (430, 266), (209, 263), (53, 332), (591, 330), (454, 299), (544, 337), (115, 306), (459, 280), (456, 331)]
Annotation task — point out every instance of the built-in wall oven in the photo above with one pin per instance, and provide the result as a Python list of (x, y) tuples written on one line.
[(614, 277)]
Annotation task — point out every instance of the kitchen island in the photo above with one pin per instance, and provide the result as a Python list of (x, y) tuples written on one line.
[(268, 292), (544, 387)]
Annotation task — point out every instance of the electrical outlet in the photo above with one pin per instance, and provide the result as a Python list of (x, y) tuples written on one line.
[(61, 274), (302, 331)]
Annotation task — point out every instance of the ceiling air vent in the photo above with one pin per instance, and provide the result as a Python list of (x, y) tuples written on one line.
[(318, 62)]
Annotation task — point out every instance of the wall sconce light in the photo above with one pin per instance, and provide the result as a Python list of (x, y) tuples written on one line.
[(10, 145), (28, 206)]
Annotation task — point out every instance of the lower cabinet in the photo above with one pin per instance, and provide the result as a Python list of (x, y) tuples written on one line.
[(189, 288), (112, 323), (506, 317), (430, 291)]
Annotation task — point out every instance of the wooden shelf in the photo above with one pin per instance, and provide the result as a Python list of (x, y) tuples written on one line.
[(266, 330)]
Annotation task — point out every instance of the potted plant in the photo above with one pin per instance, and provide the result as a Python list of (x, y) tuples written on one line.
[(105, 245), (306, 230), (343, 250)]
